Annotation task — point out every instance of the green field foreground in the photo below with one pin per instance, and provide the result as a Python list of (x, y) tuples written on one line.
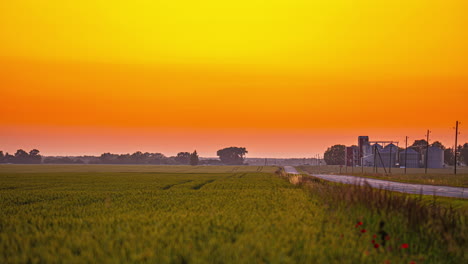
[(443, 177), (130, 214)]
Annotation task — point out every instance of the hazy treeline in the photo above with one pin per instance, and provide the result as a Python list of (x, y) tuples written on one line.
[(229, 156), (21, 157)]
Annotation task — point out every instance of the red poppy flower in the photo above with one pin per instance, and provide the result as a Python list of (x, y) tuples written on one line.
[(373, 241), (404, 245), (363, 231), (387, 237), (376, 245), (359, 223), (374, 236), (412, 262)]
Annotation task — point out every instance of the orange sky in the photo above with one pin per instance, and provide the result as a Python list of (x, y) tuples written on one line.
[(281, 78)]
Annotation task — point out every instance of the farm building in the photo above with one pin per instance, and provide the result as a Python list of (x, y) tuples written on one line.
[(389, 155), (376, 146), (435, 159), (412, 159)]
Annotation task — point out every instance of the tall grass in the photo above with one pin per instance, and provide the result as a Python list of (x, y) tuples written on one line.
[(434, 226)]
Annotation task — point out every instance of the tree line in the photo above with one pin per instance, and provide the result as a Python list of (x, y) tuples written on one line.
[(227, 156), (21, 157), (335, 155)]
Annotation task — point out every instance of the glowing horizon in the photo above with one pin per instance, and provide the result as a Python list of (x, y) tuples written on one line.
[(281, 78)]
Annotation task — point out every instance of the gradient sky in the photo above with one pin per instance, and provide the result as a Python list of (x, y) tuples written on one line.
[(281, 78)]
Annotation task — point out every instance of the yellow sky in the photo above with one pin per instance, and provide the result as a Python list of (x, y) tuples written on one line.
[(326, 36), (323, 64)]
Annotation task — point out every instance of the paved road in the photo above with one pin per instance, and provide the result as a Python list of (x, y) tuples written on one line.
[(447, 191), (458, 192)]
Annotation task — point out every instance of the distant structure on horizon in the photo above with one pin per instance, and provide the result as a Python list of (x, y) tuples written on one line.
[(388, 154)]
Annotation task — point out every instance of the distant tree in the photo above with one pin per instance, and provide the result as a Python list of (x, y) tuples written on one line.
[(419, 145), (124, 158), (34, 156), (21, 156), (8, 158), (137, 157), (335, 155), (157, 158), (2, 157), (58, 160), (108, 158), (438, 144), (183, 157), (232, 155), (210, 162), (449, 157), (194, 158), (464, 153), (94, 161)]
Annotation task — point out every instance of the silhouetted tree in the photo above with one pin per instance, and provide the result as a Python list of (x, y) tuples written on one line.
[(58, 160), (232, 155), (34, 156), (335, 155), (464, 153), (21, 156), (449, 156), (194, 158), (183, 157), (137, 157), (419, 145), (8, 158), (210, 162), (108, 158), (438, 144), (158, 158), (2, 157)]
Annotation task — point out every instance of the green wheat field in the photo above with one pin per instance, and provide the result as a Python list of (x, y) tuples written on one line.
[(201, 214)]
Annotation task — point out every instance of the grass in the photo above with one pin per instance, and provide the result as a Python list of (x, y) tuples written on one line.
[(431, 225), (76, 214), (443, 177)]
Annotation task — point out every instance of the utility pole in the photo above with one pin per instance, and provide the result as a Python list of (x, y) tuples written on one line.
[(346, 161), (456, 148), (406, 152), (390, 162), (427, 151), (375, 158), (362, 165)]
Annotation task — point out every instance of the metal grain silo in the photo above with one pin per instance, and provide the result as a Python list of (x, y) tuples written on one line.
[(389, 156), (435, 159), (412, 160), (378, 146)]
